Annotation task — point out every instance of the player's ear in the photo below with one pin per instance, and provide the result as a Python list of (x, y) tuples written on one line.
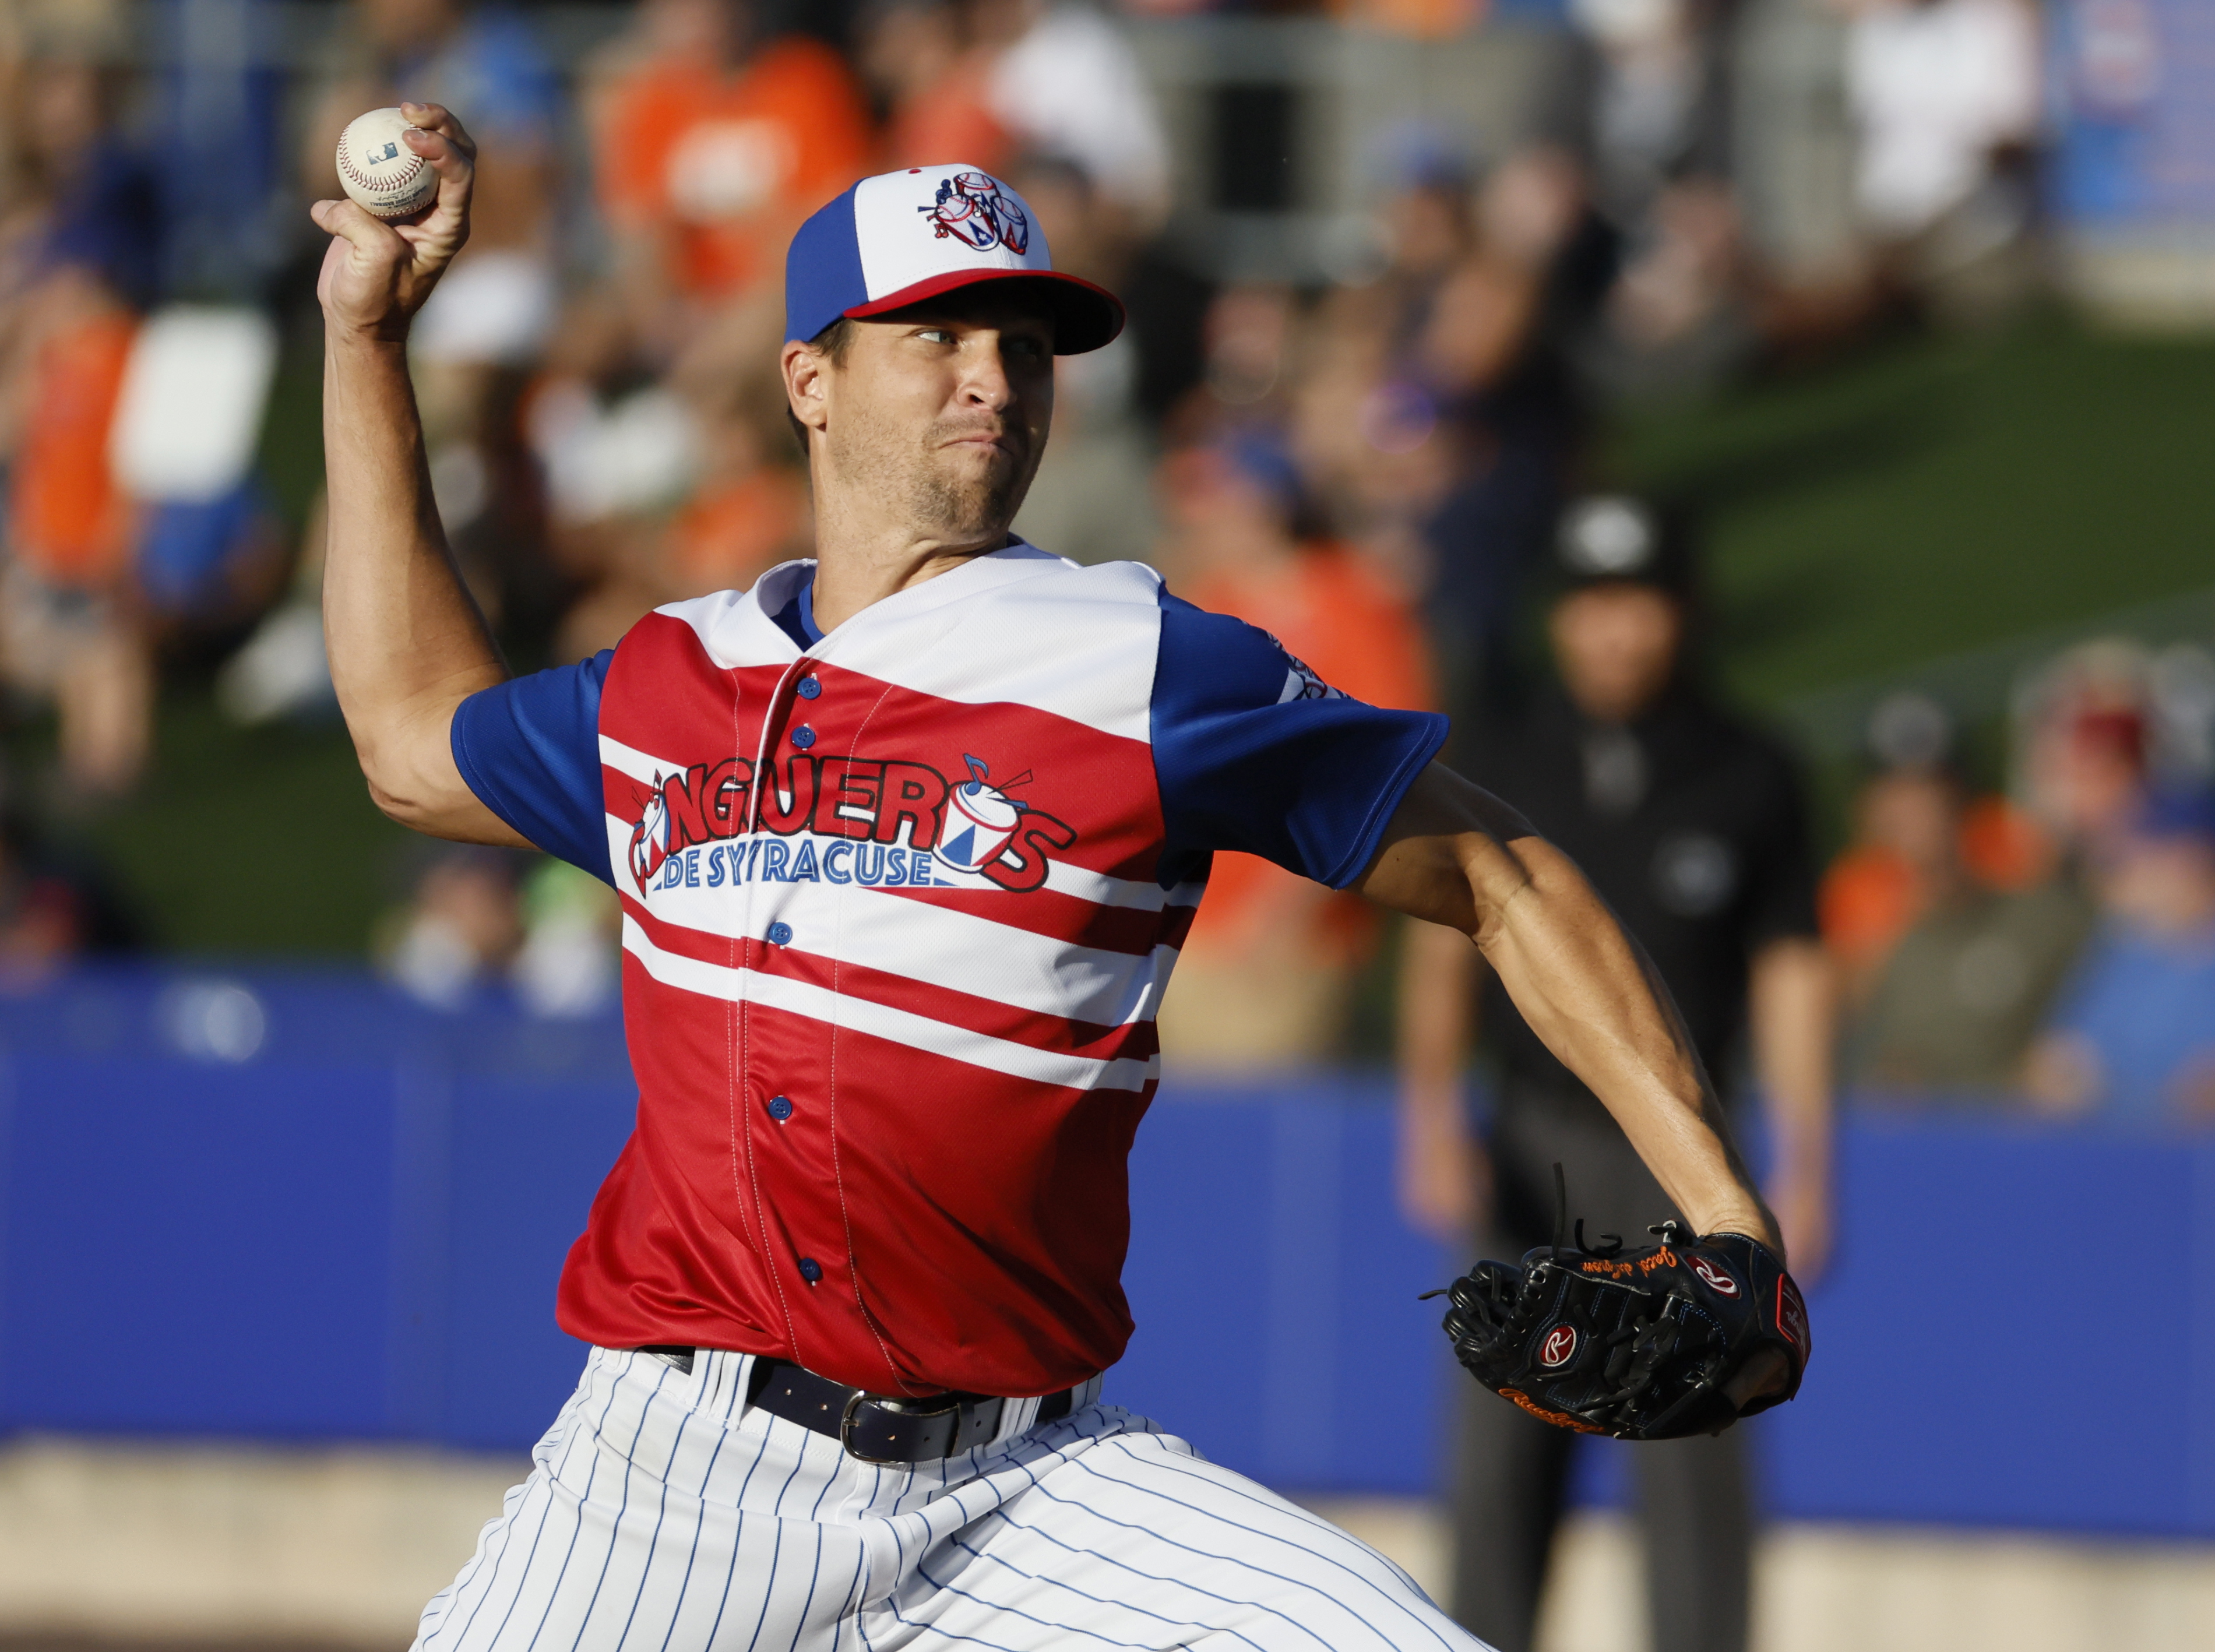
[(806, 373)]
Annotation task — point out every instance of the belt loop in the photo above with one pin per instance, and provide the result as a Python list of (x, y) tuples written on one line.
[(1017, 1417), (722, 1376)]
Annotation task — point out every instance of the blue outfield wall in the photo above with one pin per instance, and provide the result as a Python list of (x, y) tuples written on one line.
[(354, 1234)]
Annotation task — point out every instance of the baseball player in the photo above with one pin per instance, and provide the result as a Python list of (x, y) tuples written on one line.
[(907, 837)]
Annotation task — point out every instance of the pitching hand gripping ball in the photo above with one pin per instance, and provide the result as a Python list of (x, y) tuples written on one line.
[(378, 169)]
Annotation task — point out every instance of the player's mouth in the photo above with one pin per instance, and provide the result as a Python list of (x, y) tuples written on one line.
[(987, 441)]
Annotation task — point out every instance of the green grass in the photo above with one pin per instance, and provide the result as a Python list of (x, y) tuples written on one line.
[(250, 840), (1939, 495)]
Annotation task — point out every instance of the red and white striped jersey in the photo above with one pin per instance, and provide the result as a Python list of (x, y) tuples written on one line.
[(899, 907)]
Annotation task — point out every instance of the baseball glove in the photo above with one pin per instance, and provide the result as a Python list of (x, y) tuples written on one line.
[(1639, 1344)]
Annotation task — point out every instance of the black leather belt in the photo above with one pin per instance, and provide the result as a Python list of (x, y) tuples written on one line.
[(876, 1427)]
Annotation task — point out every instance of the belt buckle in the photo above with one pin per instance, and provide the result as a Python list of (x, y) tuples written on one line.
[(854, 1405)]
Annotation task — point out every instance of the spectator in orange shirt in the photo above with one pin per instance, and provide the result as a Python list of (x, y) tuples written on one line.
[(2085, 755), (713, 146), (69, 624), (925, 58), (1265, 978)]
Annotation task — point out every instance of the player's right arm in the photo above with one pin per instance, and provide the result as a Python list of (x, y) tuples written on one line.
[(407, 643)]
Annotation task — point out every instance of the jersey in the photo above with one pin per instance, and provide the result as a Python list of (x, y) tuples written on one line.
[(900, 904)]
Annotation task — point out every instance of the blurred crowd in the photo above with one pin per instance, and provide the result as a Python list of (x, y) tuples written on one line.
[(2052, 943), (1375, 464)]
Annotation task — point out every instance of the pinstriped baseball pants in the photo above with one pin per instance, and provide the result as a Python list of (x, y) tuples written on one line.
[(664, 1515)]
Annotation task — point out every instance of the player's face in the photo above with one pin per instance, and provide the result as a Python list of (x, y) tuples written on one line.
[(942, 412), (1616, 646)]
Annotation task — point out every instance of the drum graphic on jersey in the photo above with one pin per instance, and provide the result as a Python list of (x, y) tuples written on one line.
[(984, 818)]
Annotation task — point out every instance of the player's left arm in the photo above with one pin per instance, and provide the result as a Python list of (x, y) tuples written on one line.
[(1454, 854)]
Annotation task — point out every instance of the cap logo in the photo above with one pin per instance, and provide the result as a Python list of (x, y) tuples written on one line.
[(971, 208)]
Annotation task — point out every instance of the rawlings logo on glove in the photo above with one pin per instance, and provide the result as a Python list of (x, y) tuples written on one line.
[(1639, 1344)]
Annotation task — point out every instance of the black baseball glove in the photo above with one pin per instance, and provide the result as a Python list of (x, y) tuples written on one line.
[(1639, 1344)]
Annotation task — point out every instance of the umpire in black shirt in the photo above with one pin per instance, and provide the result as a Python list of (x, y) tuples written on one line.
[(1693, 827)]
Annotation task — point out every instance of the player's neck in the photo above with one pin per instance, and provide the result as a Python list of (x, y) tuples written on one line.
[(863, 556)]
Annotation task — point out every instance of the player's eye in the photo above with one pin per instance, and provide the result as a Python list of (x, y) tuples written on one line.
[(937, 335)]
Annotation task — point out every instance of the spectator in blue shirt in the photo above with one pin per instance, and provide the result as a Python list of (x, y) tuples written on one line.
[(2133, 1035)]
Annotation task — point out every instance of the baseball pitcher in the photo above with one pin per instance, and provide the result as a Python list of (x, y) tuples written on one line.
[(906, 838)]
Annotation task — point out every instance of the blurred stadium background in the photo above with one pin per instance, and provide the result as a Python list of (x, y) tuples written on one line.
[(1907, 307)]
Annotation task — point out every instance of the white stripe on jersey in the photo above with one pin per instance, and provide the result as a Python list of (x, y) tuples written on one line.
[(886, 931), (1029, 629), (663, 1516), (741, 985), (637, 764)]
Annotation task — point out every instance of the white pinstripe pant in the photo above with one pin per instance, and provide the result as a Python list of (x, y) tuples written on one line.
[(663, 1515)]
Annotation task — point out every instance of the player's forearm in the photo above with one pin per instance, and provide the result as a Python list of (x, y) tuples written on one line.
[(407, 643), (1455, 855), (1592, 998)]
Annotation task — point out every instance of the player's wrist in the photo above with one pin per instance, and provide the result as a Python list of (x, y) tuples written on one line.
[(1749, 1221), (365, 342)]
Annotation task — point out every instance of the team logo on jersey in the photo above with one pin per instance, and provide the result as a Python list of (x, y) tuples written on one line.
[(1718, 1279), (880, 822), (973, 208), (984, 818), (1560, 1342), (649, 838)]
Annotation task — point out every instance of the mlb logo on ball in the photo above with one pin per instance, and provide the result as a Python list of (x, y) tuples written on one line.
[(378, 171)]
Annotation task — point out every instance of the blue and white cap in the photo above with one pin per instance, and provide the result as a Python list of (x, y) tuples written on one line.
[(904, 236)]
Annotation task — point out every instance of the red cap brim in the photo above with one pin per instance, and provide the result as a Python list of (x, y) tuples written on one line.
[(1085, 316)]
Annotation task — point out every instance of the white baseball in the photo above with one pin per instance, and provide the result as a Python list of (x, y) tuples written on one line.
[(379, 170)]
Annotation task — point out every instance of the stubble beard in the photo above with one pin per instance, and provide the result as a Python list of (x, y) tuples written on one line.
[(938, 493)]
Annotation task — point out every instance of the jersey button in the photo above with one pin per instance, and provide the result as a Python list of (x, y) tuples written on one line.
[(810, 1269), (803, 737), (809, 688), (779, 934), (780, 1107)]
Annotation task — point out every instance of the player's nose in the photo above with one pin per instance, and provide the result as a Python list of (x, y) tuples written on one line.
[(985, 380)]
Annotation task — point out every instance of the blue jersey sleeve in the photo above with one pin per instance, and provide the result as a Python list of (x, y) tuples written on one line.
[(530, 749), (1253, 751)]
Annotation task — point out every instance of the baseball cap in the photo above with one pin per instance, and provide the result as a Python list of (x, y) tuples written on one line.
[(900, 237)]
